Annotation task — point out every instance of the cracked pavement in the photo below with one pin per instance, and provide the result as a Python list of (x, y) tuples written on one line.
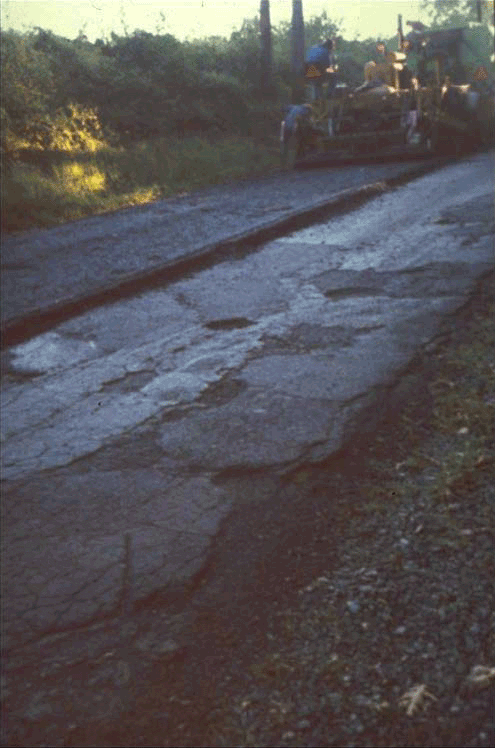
[(123, 421), (43, 268)]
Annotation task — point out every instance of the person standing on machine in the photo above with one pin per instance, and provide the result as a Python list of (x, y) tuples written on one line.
[(322, 57)]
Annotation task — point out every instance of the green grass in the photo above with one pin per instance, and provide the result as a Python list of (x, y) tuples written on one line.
[(45, 192)]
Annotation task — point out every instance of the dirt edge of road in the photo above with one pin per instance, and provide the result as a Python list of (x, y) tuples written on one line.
[(355, 607)]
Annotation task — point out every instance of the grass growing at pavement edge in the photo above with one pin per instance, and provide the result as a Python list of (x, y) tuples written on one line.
[(43, 189)]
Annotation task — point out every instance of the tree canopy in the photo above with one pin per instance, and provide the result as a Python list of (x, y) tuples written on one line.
[(458, 12)]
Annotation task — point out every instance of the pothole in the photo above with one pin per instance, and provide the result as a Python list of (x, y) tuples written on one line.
[(445, 220), (365, 329), (129, 383), (307, 337), (175, 414), (19, 377), (16, 266), (343, 293), (138, 449), (231, 323), (220, 393)]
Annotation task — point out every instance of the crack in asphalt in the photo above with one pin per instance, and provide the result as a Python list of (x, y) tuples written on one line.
[(211, 376)]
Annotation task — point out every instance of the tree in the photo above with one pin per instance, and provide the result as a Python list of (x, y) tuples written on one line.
[(297, 38), (266, 46), (27, 87), (318, 28), (458, 12), (297, 51)]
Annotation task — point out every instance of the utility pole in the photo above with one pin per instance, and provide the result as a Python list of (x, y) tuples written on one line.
[(266, 46), (297, 52)]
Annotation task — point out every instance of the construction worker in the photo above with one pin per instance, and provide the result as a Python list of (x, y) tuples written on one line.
[(322, 59)]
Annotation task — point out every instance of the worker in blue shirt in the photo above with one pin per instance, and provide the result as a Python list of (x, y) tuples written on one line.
[(322, 58), (320, 55)]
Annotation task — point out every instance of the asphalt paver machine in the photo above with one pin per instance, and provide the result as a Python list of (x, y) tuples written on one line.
[(435, 94)]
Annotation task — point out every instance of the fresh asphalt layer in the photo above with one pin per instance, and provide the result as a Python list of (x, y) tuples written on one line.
[(52, 274), (129, 433)]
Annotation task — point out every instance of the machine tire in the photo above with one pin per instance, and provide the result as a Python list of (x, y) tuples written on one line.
[(289, 151), (432, 140)]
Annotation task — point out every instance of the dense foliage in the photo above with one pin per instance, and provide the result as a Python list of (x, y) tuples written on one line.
[(60, 93), (458, 12), (88, 127)]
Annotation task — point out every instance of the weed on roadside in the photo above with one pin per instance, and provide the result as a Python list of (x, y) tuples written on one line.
[(46, 191)]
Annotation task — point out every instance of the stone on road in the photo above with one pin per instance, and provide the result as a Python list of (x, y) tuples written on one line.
[(118, 423)]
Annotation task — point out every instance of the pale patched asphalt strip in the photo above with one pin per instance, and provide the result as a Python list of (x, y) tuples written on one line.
[(51, 275)]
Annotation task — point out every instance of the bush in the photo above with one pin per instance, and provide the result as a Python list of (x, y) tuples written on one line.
[(27, 85)]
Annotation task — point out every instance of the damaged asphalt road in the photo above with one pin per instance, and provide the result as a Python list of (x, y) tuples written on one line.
[(50, 275), (119, 425)]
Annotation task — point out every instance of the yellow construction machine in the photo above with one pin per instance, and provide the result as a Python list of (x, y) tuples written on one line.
[(434, 94)]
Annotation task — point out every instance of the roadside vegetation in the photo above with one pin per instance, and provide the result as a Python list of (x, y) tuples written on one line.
[(91, 127), (80, 184)]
